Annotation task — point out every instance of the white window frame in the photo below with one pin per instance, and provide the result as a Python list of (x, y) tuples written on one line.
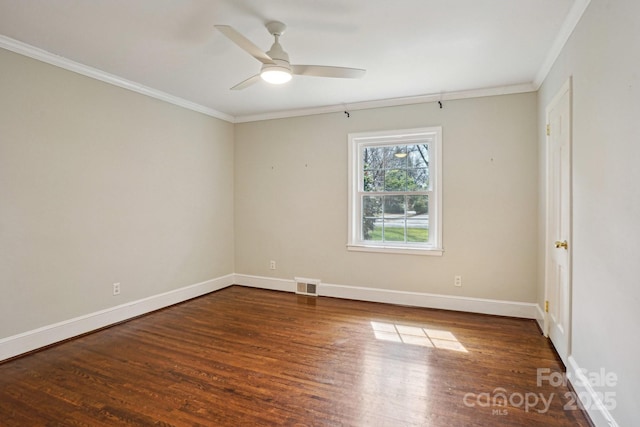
[(356, 141)]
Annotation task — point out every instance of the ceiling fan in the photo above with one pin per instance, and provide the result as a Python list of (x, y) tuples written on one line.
[(276, 68)]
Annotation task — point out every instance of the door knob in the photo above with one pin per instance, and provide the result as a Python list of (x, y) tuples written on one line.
[(562, 244)]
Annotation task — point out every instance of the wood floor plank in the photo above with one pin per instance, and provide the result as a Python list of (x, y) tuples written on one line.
[(245, 357)]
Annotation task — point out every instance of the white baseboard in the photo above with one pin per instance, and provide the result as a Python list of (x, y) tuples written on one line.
[(262, 282), (540, 317), (591, 400), (419, 299), (416, 299), (31, 340)]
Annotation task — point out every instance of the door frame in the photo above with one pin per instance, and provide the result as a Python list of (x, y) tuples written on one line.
[(549, 239)]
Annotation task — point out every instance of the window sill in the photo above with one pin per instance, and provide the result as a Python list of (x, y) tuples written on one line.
[(396, 250)]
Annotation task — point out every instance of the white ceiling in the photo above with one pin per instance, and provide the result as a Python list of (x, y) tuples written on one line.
[(410, 48)]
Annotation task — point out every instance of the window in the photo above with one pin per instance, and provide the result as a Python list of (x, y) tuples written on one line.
[(395, 191)]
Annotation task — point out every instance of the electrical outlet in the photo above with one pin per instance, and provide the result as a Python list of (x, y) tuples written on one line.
[(457, 281), (116, 289), (272, 265)]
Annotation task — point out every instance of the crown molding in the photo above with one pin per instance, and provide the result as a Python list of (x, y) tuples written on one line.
[(85, 70), (391, 102), (569, 24)]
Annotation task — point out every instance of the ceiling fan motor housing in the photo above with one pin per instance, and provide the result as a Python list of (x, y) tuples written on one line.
[(280, 70)]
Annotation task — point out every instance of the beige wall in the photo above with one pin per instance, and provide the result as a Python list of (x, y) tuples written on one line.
[(101, 185), (602, 56), (291, 199)]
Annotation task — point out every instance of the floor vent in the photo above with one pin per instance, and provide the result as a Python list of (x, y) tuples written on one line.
[(307, 286)]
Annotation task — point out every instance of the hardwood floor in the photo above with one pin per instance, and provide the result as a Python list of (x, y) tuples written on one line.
[(248, 357)]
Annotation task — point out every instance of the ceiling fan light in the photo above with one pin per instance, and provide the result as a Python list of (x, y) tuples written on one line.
[(276, 75)]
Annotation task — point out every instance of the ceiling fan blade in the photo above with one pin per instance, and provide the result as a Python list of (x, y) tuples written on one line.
[(324, 71), (244, 84), (244, 43)]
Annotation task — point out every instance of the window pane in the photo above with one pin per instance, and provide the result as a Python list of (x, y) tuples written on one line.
[(373, 180), (417, 179), (394, 230), (394, 206), (418, 156), (418, 230), (394, 218), (371, 218), (395, 157), (373, 158), (418, 205), (395, 180), (418, 219)]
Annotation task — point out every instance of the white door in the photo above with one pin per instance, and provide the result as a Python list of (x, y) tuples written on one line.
[(558, 249)]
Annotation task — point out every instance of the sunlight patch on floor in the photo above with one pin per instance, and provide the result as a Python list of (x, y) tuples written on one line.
[(415, 335)]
